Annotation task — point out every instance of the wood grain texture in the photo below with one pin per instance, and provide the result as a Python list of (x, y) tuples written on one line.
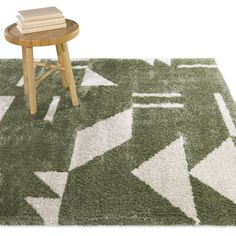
[(61, 62), (31, 80), (69, 74), (57, 66), (26, 87), (44, 75), (51, 37)]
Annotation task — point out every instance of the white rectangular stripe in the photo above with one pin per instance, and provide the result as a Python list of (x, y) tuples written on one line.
[(197, 66), (166, 95), (52, 109), (20, 82), (80, 59), (160, 105), (79, 67), (225, 114), (5, 102)]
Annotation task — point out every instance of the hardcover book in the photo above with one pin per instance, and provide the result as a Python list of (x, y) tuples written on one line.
[(40, 14)]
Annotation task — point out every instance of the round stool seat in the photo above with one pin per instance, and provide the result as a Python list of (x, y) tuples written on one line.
[(44, 38)]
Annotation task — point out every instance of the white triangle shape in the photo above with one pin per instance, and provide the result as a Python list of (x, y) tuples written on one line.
[(101, 137), (149, 61), (167, 61), (5, 103), (218, 170), (47, 208), (92, 78), (167, 174), (55, 180)]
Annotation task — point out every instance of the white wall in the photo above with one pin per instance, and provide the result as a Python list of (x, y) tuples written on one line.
[(141, 28)]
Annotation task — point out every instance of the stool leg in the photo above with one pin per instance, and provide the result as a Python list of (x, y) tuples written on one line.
[(31, 79), (60, 60), (26, 88), (69, 74)]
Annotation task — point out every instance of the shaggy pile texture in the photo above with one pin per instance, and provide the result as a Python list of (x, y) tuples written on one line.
[(152, 143)]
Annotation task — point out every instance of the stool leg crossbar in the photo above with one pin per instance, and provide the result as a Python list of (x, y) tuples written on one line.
[(57, 66), (31, 83), (44, 76)]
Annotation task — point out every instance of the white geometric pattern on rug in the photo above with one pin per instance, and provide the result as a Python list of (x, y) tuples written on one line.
[(159, 95), (52, 109), (40, 204), (151, 61), (218, 170), (158, 105), (101, 137), (81, 59), (20, 83), (47, 208), (5, 103), (167, 174), (78, 67), (167, 61), (55, 180), (225, 114), (92, 78), (196, 66)]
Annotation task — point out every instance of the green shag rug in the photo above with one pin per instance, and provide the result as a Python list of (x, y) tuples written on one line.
[(152, 143)]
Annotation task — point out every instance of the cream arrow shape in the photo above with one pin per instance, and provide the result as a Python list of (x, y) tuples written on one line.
[(92, 78), (47, 208), (167, 174), (101, 137), (167, 61), (218, 170), (151, 61), (5, 103), (55, 180)]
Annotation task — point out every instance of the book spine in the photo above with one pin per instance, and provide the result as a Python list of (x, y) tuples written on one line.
[(40, 29), (43, 17), (19, 18), (29, 25), (17, 26)]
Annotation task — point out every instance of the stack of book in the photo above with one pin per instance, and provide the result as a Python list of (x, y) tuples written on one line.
[(41, 19)]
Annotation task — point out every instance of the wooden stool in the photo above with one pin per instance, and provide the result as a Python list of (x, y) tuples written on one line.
[(57, 37)]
